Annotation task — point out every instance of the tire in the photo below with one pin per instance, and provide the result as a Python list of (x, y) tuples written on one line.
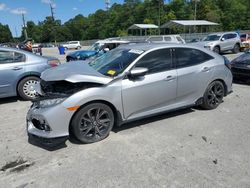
[(78, 47), (236, 48), (92, 123), (216, 49), (25, 88), (213, 95)]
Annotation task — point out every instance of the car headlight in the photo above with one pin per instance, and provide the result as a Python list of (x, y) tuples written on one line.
[(49, 102)]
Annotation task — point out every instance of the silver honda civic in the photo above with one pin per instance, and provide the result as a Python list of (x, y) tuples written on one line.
[(86, 99)]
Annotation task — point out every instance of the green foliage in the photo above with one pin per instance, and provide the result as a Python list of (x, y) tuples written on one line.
[(230, 14), (5, 34)]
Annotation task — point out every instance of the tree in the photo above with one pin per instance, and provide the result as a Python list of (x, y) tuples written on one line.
[(5, 34)]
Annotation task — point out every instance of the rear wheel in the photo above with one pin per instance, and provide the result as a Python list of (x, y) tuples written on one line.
[(93, 123), (26, 87), (216, 49), (236, 48), (213, 95)]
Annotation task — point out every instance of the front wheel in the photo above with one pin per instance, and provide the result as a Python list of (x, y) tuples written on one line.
[(213, 95), (93, 123), (26, 87)]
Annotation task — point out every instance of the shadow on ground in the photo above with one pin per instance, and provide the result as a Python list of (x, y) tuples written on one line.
[(242, 82), (141, 122), (9, 100)]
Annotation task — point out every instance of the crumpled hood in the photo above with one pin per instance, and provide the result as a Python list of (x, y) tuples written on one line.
[(75, 72), (82, 53)]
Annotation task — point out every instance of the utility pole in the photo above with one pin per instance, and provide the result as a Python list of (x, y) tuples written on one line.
[(159, 16), (52, 9), (24, 27), (107, 2), (195, 8)]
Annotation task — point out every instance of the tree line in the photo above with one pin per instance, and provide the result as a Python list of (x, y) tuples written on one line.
[(230, 14)]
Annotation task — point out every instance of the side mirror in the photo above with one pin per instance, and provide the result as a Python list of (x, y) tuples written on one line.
[(222, 39), (137, 72)]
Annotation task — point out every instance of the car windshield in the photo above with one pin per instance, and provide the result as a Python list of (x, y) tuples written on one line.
[(115, 62), (212, 38)]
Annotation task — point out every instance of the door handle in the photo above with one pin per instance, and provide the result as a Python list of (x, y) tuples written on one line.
[(206, 69), (169, 78), (17, 68)]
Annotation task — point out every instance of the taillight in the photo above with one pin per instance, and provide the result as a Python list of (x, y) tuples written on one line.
[(227, 62), (54, 63)]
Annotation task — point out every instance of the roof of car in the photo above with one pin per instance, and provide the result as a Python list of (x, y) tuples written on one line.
[(148, 46), (222, 33), (112, 41)]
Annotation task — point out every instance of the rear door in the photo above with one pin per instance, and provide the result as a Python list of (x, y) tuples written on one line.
[(154, 91), (11, 67), (229, 41), (194, 71)]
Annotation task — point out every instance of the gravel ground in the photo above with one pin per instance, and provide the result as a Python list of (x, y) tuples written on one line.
[(187, 148)]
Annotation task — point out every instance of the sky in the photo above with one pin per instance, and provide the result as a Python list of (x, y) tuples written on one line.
[(37, 10)]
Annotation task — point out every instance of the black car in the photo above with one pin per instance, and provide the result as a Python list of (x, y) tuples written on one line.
[(240, 66)]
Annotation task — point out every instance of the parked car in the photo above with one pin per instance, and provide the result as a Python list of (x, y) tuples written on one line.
[(241, 66), (166, 39), (72, 45), (98, 48), (20, 71), (221, 42), (245, 41), (130, 82)]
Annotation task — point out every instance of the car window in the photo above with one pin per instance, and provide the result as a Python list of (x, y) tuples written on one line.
[(167, 38), (152, 39), (179, 39), (156, 61), (243, 35), (188, 57), (18, 57), (226, 36), (6, 57)]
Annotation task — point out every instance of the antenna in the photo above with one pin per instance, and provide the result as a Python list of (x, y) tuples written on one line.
[(107, 2)]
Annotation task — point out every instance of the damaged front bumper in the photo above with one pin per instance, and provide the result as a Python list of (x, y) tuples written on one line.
[(48, 123)]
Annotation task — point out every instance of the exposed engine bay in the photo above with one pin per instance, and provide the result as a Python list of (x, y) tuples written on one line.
[(55, 89)]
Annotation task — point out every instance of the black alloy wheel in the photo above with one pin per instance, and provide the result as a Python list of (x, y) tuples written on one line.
[(93, 123), (213, 96)]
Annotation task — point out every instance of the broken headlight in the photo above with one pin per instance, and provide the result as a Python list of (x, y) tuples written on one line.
[(49, 102)]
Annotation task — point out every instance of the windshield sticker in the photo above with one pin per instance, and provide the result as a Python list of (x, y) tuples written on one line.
[(111, 72), (136, 51)]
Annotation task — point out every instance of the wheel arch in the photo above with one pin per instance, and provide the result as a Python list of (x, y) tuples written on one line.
[(224, 84), (117, 113), (35, 74)]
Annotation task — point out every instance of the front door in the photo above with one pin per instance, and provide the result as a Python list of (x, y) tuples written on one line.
[(153, 92)]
